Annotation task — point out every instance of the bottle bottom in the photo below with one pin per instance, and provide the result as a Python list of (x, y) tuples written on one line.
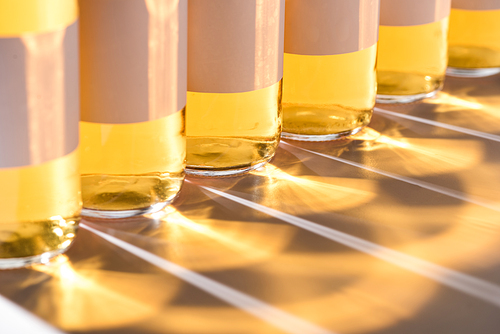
[(21, 262), (322, 122), (218, 156), (26, 243), (118, 214), (334, 136), (468, 57), (397, 99), (225, 172), (402, 87), (123, 196), (472, 72)]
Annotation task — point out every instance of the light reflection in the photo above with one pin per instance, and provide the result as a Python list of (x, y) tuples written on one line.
[(372, 136), (268, 313), (201, 242), (447, 102), (89, 298), (354, 285), (163, 62), (421, 156), (480, 113), (45, 94), (399, 285), (306, 193)]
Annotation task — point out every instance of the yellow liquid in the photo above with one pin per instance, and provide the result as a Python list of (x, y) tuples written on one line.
[(233, 130), (412, 59), (132, 166), (328, 94), (39, 207), (474, 39)]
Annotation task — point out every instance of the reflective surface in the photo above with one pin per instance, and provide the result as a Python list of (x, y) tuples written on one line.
[(396, 230)]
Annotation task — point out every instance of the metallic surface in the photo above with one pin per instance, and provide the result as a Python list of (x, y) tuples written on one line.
[(411, 12), (396, 230)]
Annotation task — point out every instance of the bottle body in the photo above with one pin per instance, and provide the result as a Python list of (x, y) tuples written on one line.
[(40, 199), (233, 131), (474, 38), (233, 120), (329, 78), (133, 105), (412, 56), (132, 168)]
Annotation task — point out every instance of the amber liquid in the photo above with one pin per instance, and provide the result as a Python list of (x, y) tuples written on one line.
[(39, 208), (474, 39), (132, 166), (412, 59), (325, 95), (232, 131)]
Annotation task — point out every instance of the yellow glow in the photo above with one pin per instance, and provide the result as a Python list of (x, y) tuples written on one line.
[(58, 232), (212, 244), (227, 240), (445, 101), (198, 240), (84, 297), (421, 156), (412, 59), (328, 94), (313, 193), (57, 191), (19, 17), (474, 39)]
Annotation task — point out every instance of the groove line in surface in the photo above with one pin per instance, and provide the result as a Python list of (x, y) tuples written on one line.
[(274, 316), (464, 283), (422, 184), (441, 125)]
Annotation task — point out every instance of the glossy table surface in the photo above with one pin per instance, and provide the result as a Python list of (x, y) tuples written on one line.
[(396, 230)]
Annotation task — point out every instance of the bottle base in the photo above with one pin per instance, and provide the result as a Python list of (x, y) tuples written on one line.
[(124, 196), (204, 172), (400, 99), (21, 262), (118, 214), (471, 72), (329, 137)]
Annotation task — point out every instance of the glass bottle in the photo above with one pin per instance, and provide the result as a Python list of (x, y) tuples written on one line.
[(233, 120), (39, 111), (474, 38), (412, 55), (329, 82), (133, 87)]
